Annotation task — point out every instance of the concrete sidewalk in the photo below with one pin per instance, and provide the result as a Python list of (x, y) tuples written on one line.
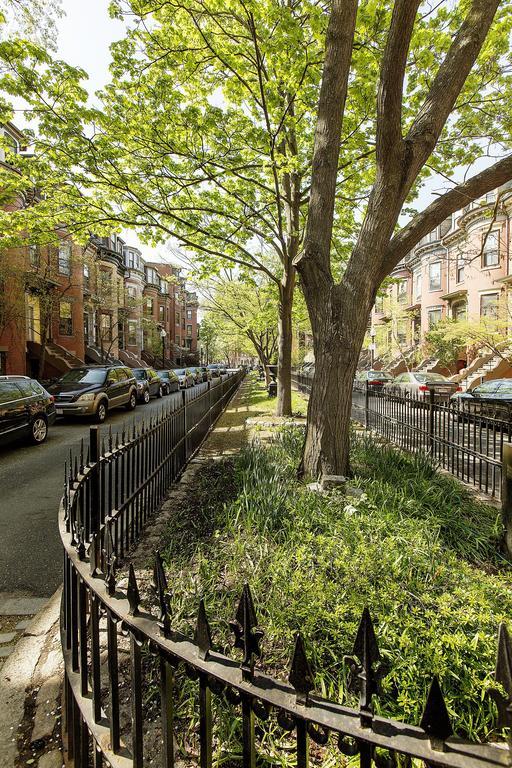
[(30, 686)]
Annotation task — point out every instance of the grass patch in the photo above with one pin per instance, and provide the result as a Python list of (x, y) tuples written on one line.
[(416, 548)]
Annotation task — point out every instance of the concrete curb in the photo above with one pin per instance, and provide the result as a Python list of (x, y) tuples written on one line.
[(35, 658)]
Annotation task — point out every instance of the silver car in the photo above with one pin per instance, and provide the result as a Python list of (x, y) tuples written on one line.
[(185, 377), (418, 385)]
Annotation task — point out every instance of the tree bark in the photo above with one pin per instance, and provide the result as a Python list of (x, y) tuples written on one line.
[(284, 356), (338, 334)]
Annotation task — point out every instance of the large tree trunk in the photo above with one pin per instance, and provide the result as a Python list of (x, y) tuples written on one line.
[(284, 357), (338, 333)]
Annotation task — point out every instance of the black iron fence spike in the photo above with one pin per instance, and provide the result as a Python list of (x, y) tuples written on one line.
[(247, 634), (93, 555), (110, 439), (110, 560), (503, 676), (75, 468), (435, 719), (160, 585), (132, 592), (203, 635), (301, 675), (88, 456), (82, 456), (80, 547)]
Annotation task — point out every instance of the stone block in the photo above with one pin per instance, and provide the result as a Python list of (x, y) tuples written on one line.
[(51, 759)]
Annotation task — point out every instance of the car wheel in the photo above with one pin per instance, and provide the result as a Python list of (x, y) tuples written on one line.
[(146, 396), (132, 402), (160, 392), (101, 412), (39, 429)]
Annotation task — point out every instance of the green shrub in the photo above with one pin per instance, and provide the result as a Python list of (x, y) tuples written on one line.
[(415, 548)]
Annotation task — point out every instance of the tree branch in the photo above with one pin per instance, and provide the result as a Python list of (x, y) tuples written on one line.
[(444, 206)]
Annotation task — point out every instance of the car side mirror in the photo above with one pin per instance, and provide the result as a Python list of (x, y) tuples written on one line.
[(109, 383)]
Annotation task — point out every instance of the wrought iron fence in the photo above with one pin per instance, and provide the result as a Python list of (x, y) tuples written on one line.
[(469, 445), (107, 498)]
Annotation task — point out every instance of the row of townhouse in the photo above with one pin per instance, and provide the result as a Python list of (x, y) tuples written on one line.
[(461, 270), (65, 304)]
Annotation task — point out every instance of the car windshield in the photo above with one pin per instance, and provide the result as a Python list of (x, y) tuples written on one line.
[(139, 374), (378, 375), (84, 376), (180, 372), (430, 377), (163, 374)]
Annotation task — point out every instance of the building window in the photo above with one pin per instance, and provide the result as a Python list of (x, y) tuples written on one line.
[(460, 310), (87, 276), (178, 341), (417, 284), (434, 316), (106, 327), (65, 258), (491, 250), (189, 330), (131, 292), (434, 276), (379, 304), (65, 318), (189, 314), (401, 291), (161, 313), (188, 343), (105, 282), (149, 306), (3, 363), (34, 255), (459, 270), (132, 333), (178, 318), (489, 305)]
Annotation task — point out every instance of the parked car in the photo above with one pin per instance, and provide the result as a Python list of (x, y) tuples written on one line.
[(93, 390), (170, 379), (418, 384), (374, 378), (197, 374), (217, 369), (149, 384), (185, 377), (207, 374), (26, 410), (491, 398)]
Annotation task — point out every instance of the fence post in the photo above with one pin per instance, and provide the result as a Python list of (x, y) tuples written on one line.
[(506, 495), (94, 457), (366, 405), (431, 421), (185, 437)]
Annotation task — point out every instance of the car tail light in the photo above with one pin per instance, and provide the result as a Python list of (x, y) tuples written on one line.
[(423, 388), (375, 381), (459, 389), (52, 398)]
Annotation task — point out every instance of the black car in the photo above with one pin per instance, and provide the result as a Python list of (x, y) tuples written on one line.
[(26, 410), (149, 384), (492, 398), (170, 379), (92, 390)]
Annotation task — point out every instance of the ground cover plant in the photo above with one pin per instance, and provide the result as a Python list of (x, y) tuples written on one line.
[(416, 548)]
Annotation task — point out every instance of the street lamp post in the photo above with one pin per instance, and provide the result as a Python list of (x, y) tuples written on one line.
[(372, 346), (163, 334)]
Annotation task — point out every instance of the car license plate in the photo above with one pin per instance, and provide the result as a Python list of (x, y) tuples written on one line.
[(59, 411)]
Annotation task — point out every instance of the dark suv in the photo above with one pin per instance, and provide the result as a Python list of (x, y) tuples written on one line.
[(26, 410), (93, 390)]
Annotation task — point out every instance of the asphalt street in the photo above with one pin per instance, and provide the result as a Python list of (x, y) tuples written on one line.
[(31, 484)]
